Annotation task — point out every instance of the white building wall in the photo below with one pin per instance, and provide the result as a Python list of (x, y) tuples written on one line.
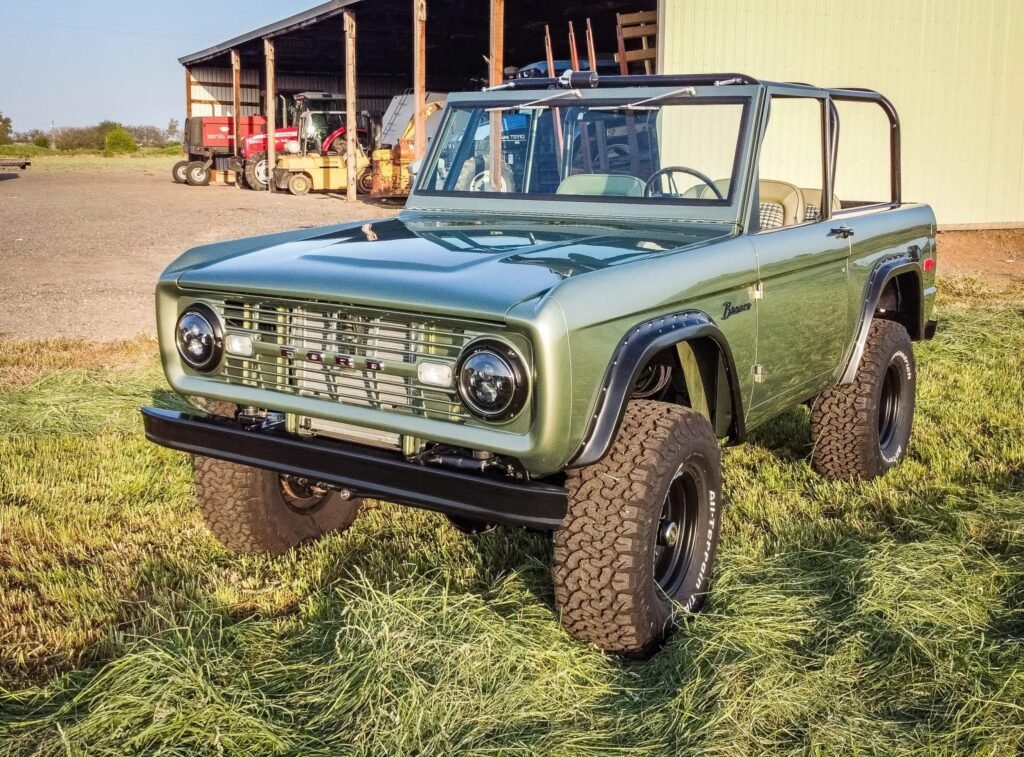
[(953, 68)]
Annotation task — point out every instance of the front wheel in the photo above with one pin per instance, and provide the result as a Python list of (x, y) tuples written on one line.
[(861, 430), (197, 174), (639, 538)]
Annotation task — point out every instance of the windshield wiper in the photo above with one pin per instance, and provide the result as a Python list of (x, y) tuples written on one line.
[(537, 103), (644, 104)]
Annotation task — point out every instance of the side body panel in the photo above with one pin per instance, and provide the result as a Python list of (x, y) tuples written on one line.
[(802, 317)]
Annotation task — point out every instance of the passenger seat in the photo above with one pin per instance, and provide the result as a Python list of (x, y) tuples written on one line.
[(781, 204), (812, 207)]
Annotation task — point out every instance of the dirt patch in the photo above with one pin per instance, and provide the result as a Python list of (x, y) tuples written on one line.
[(996, 256), (80, 251)]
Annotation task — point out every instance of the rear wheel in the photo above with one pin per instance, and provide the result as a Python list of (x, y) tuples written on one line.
[(179, 172), (256, 175), (299, 184), (197, 174), (640, 534), (364, 184), (861, 430)]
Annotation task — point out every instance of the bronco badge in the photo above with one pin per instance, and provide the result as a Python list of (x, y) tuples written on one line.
[(731, 310)]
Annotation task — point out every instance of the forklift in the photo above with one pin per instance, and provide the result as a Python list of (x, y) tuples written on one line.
[(311, 162)]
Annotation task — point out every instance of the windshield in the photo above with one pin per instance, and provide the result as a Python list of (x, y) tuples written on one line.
[(651, 151)]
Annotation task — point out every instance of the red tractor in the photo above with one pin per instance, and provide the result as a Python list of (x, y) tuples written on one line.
[(210, 142), (324, 116)]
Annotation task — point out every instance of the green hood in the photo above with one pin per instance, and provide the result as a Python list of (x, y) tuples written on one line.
[(469, 268)]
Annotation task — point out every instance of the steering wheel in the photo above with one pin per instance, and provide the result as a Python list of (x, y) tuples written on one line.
[(651, 185), (482, 182)]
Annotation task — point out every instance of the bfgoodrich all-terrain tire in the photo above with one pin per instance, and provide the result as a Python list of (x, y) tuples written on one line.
[(256, 511), (861, 430), (641, 531)]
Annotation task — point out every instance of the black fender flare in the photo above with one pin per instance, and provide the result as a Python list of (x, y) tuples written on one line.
[(884, 272), (635, 350)]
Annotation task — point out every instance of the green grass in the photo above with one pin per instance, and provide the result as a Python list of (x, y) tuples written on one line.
[(147, 158), (882, 617)]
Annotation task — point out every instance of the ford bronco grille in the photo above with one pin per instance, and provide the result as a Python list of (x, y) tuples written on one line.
[(344, 353)]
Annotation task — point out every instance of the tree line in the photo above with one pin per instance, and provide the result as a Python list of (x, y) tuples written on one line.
[(126, 138)]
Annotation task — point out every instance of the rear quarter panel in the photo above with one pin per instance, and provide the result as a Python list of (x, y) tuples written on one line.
[(881, 234)]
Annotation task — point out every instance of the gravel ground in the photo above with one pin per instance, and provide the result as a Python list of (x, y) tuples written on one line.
[(80, 251)]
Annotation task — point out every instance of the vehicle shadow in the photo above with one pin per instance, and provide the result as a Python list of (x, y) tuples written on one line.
[(7, 175)]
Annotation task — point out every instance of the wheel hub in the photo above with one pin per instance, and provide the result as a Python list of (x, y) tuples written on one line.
[(668, 534)]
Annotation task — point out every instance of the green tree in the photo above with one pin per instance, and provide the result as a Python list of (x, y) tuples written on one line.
[(120, 141), (5, 129)]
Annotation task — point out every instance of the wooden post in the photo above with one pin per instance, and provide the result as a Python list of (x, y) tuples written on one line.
[(556, 114), (496, 78), (591, 50), (351, 127), (419, 78), (236, 85), (188, 92), (268, 53)]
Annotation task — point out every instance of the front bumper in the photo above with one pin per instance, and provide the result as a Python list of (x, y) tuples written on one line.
[(368, 472)]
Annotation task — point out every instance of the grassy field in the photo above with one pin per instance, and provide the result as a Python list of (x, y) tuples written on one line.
[(148, 159), (883, 617)]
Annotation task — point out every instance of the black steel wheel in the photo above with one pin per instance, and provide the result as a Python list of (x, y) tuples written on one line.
[(677, 528)]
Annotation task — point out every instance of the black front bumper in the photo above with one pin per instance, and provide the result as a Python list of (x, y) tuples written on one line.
[(368, 472)]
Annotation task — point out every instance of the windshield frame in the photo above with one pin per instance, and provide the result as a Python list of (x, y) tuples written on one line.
[(750, 98)]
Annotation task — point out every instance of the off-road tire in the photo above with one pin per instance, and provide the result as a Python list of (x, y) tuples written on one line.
[(604, 552), (197, 174), (250, 171), (850, 434), (245, 509), (179, 172)]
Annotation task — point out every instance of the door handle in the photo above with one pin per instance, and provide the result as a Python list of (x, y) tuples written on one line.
[(843, 231)]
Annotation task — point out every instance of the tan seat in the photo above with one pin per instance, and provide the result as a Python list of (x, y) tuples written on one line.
[(812, 204), (782, 204)]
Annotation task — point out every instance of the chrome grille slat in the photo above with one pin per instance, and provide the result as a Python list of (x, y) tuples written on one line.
[(285, 331)]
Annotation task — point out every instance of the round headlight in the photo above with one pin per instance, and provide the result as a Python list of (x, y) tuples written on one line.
[(492, 381), (199, 338), (292, 146)]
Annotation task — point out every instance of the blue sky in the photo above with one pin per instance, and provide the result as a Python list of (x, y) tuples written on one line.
[(77, 62)]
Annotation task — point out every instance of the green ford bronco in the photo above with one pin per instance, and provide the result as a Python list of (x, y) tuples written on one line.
[(595, 283)]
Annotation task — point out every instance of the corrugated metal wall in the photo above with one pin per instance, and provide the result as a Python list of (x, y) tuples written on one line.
[(212, 94), (953, 68)]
